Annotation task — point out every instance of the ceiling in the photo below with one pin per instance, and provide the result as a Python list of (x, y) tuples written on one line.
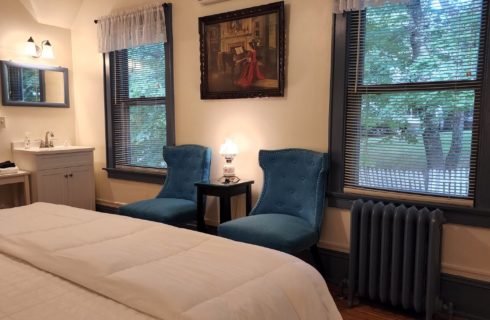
[(59, 13)]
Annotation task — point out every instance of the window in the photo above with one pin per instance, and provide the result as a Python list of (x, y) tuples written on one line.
[(407, 120), (139, 110)]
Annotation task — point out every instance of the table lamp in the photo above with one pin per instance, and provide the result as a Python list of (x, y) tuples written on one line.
[(229, 150)]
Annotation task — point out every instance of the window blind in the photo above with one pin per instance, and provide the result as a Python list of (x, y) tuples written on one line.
[(138, 110), (414, 90)]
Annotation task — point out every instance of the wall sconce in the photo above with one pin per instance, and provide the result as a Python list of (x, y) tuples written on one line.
[(44, 51), (229, 150)]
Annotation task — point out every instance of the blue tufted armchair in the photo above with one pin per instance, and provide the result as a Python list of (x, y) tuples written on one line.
[(176, 202), (289, 212)]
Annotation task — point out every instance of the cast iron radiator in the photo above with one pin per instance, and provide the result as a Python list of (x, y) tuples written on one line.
[(395, 255)]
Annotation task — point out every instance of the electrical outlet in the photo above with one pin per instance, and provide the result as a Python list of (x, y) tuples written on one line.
[(3, 123)]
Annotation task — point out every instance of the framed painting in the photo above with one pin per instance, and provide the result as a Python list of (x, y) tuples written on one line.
[(242, 53)]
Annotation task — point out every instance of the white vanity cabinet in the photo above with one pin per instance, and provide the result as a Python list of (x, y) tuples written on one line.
[(63, 175)]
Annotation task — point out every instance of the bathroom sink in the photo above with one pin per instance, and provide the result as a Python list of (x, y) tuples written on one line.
[(56, 149)]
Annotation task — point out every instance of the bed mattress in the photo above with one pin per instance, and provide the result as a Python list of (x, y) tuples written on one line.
[(30, 293), (145, 269)]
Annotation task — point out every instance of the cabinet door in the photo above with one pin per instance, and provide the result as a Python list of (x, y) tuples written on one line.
[(52, 186), (81, 187)]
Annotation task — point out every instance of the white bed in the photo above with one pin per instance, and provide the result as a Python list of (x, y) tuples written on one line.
[(79, 264)]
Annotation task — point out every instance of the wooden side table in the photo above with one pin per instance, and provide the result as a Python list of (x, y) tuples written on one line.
[(19, 177), (224, 192)]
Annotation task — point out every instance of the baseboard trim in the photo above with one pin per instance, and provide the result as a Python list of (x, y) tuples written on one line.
[(106, 209), (335, 265), (333, 246), (469, 296), (466, 272)]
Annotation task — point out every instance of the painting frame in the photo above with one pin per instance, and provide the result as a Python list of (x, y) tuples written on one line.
[(242, 53)]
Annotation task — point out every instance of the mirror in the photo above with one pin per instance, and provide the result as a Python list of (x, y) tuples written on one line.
[(33, 85)]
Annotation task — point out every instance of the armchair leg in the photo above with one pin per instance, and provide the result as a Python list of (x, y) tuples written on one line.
[(316, 259)]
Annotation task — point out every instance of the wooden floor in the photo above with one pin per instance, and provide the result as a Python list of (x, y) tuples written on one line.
[(369, 311)]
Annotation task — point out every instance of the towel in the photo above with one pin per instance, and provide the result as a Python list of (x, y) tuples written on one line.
[(10, 170)]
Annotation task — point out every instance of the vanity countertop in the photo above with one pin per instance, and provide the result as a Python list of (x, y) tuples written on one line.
[(53, 150)]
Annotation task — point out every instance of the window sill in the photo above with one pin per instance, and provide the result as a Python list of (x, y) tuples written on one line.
[(454, 214), (137, 175)]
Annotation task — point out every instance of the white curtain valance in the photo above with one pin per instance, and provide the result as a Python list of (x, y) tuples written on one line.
[(356, 5), (133, 28)]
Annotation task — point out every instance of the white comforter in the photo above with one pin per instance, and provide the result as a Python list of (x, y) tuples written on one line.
[(27, 293), (162, 271)]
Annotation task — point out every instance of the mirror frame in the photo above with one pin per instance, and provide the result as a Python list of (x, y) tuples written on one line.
[(6, 99)]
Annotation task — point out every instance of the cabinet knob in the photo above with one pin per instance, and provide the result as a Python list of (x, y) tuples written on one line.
[(66, 176), (70, 175)]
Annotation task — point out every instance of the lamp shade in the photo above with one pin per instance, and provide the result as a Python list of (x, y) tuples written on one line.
[(47, 51), (30, 47), (228, 148)]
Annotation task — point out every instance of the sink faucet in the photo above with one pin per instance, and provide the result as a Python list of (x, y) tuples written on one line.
[(47, 143)]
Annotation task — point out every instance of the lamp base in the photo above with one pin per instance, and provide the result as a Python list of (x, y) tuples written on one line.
[(228, 169), (229, 179)]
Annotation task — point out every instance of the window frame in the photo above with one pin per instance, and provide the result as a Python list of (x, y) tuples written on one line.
[(479, 214), (156, 176)]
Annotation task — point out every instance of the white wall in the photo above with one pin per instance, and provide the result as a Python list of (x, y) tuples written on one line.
[(297, 120), (16, 26), (300, 119)]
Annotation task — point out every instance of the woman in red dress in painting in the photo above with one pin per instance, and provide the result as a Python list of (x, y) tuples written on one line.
[(250, 68)]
